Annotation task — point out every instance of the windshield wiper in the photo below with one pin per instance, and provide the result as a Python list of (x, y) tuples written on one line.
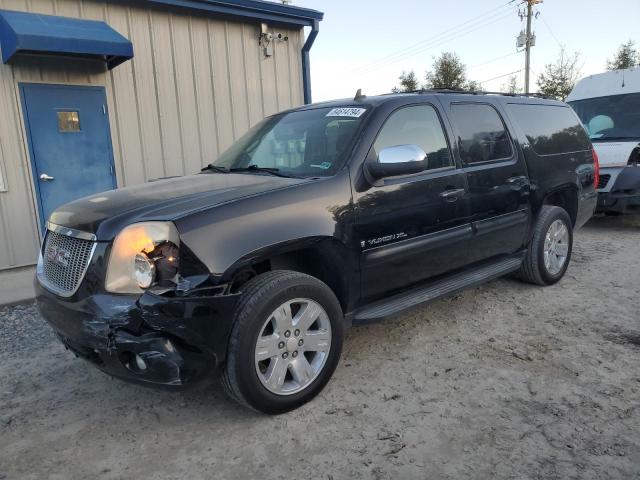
[(215, 168), (255, 168)]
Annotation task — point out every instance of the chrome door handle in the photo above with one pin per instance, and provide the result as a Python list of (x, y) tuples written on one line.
[(452, 195), (46, 178)]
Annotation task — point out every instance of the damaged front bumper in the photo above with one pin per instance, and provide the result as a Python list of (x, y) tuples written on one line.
[(149, 339)]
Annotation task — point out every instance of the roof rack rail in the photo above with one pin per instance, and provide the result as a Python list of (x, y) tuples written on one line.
[(474, 92)]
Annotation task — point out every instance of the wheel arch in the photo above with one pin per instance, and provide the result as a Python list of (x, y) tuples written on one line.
[(325, 258), (566, 197)]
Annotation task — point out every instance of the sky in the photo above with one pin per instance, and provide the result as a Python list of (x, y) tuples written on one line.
[(368, 43)]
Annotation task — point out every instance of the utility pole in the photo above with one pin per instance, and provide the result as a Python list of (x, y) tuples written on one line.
[(529, 42), (527, 55)]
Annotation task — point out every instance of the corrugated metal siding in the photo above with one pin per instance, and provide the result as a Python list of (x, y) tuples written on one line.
[(195, 85)]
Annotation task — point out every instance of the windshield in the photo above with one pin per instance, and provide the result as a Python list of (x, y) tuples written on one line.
[(307, 143), (610, 118)]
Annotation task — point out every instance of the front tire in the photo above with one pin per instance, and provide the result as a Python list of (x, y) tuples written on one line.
[(285, 342), (550, 249)]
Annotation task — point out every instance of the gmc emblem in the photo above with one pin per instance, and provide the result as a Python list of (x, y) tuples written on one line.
[(58, 256)]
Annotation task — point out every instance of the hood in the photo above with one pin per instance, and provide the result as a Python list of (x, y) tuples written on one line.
[(614, 154), (106, 213)]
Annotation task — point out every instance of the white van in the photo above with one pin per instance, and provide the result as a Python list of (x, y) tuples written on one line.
[(609, 106)]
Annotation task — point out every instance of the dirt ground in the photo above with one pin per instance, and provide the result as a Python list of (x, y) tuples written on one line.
[(504, 381)]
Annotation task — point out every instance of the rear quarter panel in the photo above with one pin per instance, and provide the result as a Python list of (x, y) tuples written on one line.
[(552, 173)]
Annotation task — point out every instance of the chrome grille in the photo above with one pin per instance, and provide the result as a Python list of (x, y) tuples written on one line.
[(64, 262)]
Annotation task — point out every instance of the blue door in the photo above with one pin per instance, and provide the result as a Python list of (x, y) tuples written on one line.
[(69, 142)]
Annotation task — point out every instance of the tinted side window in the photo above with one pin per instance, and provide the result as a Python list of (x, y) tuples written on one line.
[(483, 136), (419, 125), (551, 129)]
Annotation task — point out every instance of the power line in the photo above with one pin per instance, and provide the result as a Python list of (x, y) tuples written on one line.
[(418, 46), (551, 31), (494, 59), (411, 47), (438, 42), (501, 76)]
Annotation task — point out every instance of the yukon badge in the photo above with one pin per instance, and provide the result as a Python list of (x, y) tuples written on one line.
[(382, 240), (58, 256)]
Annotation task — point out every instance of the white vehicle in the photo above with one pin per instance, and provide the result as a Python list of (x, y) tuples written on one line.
[(609, 106)]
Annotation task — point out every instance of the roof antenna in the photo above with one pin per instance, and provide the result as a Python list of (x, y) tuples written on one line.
[(359, 96)]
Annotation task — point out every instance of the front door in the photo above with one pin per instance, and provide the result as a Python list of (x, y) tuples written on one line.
[(412, 227), (69, 141)]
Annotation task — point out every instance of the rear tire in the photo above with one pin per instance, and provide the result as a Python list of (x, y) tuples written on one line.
[(550, 249), (278, 361)]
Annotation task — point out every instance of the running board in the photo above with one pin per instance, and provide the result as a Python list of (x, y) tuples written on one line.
[(393, 305)]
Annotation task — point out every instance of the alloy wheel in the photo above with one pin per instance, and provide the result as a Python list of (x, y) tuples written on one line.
[(556, 247), (293, 346)]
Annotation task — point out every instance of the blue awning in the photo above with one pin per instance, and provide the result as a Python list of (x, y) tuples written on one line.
[(31, 33)]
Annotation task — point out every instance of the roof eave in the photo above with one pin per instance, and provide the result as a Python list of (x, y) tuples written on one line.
[(250, 9)]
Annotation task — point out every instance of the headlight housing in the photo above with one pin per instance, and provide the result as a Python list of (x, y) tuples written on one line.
[(143, 255)]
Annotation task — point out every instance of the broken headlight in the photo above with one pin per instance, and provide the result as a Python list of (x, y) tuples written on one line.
[(143, 255)]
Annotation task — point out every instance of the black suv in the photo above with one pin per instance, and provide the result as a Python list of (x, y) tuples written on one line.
[(319, 217)]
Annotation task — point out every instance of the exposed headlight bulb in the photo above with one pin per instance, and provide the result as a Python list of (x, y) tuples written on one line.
[(143, 255), (145, 270)]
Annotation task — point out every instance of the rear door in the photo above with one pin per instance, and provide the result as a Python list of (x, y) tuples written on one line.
[(412, 227), (497, 177)]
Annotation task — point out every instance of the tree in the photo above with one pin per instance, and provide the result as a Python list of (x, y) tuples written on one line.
[(408, 82), (448, 71), (626, 57), (512, 86), (473, 86), (559, 78)]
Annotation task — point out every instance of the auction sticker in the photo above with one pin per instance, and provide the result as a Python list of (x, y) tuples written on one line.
[(347, 112)]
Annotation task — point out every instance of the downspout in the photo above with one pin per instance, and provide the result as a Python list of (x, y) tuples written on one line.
[(306, 66)]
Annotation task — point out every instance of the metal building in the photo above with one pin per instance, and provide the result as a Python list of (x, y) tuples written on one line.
[(96, 95)]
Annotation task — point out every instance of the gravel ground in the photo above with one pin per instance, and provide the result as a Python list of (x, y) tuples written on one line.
[(504, 381)]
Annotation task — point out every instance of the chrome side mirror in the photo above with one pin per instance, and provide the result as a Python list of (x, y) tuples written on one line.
[(398, 160)]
